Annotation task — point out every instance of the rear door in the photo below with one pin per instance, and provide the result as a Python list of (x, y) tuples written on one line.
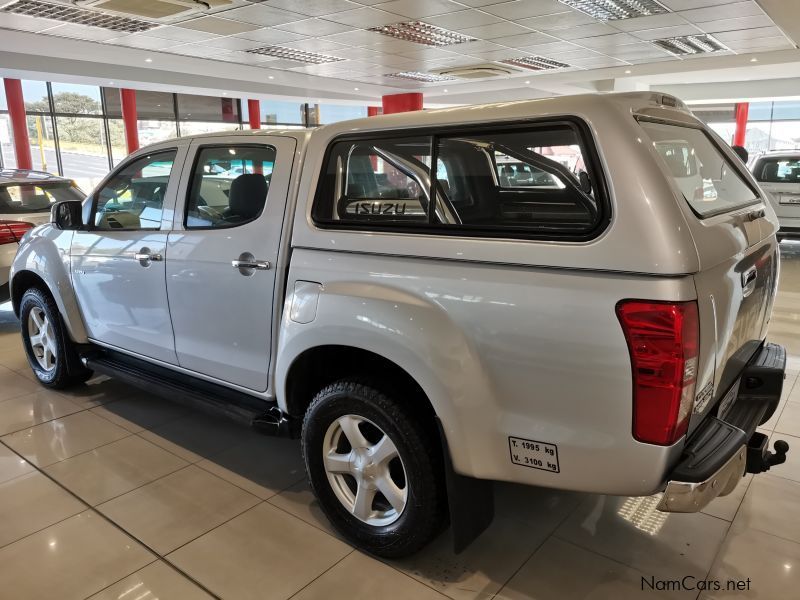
[(779, 177), (222, 254), (735, 241)]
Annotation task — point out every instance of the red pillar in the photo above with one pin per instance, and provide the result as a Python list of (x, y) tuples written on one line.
[(395, 103), (254, 110), (129, 118), (742, 109), (19, 125), (373, 111)]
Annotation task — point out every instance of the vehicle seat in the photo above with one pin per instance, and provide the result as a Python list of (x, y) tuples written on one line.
[(246, 198), (770, 172)]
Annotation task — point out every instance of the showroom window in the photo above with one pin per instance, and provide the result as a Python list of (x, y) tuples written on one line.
[(229, 186), (528, 182), (770, 125)]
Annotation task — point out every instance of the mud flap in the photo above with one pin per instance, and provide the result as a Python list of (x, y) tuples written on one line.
[(470, 501)]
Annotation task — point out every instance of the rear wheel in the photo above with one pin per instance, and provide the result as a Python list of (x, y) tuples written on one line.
[(375, 469), (51, 354)]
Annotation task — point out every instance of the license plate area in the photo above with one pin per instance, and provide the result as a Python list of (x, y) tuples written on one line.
[(789, 199)]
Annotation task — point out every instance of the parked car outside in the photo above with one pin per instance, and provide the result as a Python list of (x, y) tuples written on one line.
[(778, 174), (26, 198), (427, 323)]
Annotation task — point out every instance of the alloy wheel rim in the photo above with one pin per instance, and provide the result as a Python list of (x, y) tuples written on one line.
[(365, 470), (42, 339)]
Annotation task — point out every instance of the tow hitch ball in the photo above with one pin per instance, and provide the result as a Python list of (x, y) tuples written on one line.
[(759, 458)]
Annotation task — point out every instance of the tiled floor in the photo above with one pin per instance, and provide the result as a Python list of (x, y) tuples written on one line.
[(106, 493)]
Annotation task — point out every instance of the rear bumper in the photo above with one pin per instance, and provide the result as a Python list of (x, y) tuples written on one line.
[(724, 447)]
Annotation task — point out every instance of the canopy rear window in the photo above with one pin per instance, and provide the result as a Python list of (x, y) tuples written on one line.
[(708, 181), (777, 170)]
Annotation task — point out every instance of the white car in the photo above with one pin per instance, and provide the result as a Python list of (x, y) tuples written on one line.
[(26, 198), (427, 320), (778, 174)]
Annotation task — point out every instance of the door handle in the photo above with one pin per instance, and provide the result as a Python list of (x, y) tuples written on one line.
[(261, 265), (749, 281), (145, 256), (142, 256)]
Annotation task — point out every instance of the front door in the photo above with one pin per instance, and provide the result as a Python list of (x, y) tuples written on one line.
[(118, 267), (221, 256)]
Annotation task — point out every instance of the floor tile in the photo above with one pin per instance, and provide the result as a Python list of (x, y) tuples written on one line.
[(14, 358), (71, 559), (263, 465), (538, 506), (13, 384), (156, 580), (140, 411), (789, 421), (63, 438), (26, 411), (633, 532), (359, 576), (727, 506), (561, 570), (114, 469), (300, 501), (770, 563), (12, 464), (99, 390), (484, 567), (30, 503), (268, 554), (772, 505), (198, 436), (175, 509)]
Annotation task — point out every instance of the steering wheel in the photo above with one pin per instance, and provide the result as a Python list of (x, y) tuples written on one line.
[(212, 213)]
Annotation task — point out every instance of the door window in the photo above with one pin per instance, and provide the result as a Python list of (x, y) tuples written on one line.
[(134, 196), (229, 186)]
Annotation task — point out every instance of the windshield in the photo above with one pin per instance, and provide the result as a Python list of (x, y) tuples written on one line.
[(778, 170), (709, 183), (19, 198)]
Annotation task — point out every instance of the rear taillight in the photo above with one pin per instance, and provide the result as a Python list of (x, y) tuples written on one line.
[(12, 231), (664, 341)]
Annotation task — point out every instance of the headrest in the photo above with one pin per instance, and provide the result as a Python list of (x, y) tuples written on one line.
[(247, 195), (770, 171)]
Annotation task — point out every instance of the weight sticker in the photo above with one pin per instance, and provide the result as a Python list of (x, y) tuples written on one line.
[(533, 454)]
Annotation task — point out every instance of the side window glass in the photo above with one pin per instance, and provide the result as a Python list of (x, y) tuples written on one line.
[(381, 182), (134, 197), (229, 186), (529, 180)]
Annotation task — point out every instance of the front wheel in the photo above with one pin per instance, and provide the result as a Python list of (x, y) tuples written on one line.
[(51, 354), (375, 468)]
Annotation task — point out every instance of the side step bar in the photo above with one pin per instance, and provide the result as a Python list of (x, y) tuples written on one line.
[(196, 393)]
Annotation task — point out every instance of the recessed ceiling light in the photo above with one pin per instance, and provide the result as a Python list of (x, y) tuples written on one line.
[(312, 58), (148, 60), (356, 89), (627, 71), (68, 14), (270, 77), (612, 10), (527, 83), (535, 63), (690, 44), (418, 76), (110, 83), (445, 90), (753, 59), (423, 33)]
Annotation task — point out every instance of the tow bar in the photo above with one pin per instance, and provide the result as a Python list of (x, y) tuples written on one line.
[(759, 458)]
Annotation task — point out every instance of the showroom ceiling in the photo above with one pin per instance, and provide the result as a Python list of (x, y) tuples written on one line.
[(417, 44)]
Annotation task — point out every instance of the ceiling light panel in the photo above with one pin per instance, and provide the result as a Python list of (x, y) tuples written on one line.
[(535, 63), (423, 33), (68, 14), (311, 58), (424, 77), (690, 44), (613, 10)]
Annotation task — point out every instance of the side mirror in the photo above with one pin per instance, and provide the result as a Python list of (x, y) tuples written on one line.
[(585, 182), (67, 215)]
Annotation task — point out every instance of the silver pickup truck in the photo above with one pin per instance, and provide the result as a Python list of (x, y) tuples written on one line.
[(571, 293)]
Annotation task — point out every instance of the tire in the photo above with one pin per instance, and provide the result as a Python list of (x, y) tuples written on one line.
[(52, 357), (371, 521)]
